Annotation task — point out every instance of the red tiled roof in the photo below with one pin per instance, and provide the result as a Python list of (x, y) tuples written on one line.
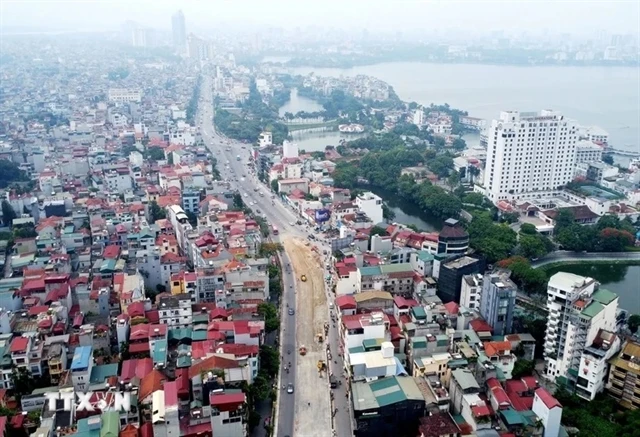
[(548, 400), (480, 411), (493, 348), (150, 383), (34, 311), (111, 252), (479, 325), (498, 393), (346, 302), (227, 401), (211, 363), (136, 309), (139, 348), (452, 307), (139, 332), (19, 344)]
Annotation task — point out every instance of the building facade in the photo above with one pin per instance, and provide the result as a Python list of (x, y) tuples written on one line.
[(578, 310), (528, 152), (498, 301)]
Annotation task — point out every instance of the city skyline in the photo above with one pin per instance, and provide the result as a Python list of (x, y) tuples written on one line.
[(515, 16)]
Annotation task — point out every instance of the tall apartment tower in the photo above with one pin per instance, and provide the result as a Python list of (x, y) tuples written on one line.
[(578, 314), (528, 152), (179, 30), (498, 301)]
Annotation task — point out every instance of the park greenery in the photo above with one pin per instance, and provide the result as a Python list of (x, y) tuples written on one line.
[(599, 418), (609, 234), (382, 169), (256, 115), (10, 173)]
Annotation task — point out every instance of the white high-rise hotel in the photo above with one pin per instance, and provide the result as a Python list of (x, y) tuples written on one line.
[(529, 152)]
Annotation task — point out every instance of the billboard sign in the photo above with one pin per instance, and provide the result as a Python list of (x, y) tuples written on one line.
[(322, 215)]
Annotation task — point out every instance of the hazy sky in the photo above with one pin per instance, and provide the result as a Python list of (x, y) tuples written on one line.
[(577, 17)]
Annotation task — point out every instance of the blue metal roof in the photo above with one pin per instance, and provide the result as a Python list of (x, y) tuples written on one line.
[(81, 358)]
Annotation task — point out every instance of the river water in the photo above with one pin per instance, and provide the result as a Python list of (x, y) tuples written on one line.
[(621, 279), (603, 96)]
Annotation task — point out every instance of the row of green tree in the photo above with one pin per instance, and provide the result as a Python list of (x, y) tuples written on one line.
[(609, 234), (192, 106)]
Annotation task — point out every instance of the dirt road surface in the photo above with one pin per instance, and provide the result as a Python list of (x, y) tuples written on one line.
[(313, 406)]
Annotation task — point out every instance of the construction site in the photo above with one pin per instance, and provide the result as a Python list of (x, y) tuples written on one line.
[(313, 406)]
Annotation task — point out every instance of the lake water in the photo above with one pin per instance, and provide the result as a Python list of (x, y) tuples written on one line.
[(603, 96), (298, 103), (621, 279), (409, 213)]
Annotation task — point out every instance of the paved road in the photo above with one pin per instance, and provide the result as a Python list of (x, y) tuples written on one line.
[(238, 174), (584, 256)]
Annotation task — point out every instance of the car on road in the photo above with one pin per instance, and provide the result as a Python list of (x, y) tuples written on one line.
[(291, 312), (246, 194), (289, 388)]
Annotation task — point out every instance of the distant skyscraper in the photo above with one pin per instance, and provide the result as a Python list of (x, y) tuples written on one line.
[(179, 30)]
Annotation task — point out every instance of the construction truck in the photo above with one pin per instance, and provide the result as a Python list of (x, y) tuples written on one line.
[(322, 367)]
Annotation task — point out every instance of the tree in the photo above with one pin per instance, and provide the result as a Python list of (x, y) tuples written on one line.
[(509, 217), (10, 172), (473, 172), (454, 179), (23, 381), (270, 314), (24, 231), (523, 368), (495, 241), (607, 159), (155, 154), (238, 203), (459, 144), (473, 199), (528, 229), (614, 240), (531, 246), (634, 323), (8, 214), (377, 230), (269, 360), (273, 271), (155, 212)]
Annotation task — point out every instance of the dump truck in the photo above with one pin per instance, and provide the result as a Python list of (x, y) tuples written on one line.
[(303, 278)]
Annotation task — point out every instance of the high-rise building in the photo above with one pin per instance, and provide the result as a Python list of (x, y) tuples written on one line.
[(498, 301), (139, 37), (624, 376), (578, 312), (528, 152), (179, 30)]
